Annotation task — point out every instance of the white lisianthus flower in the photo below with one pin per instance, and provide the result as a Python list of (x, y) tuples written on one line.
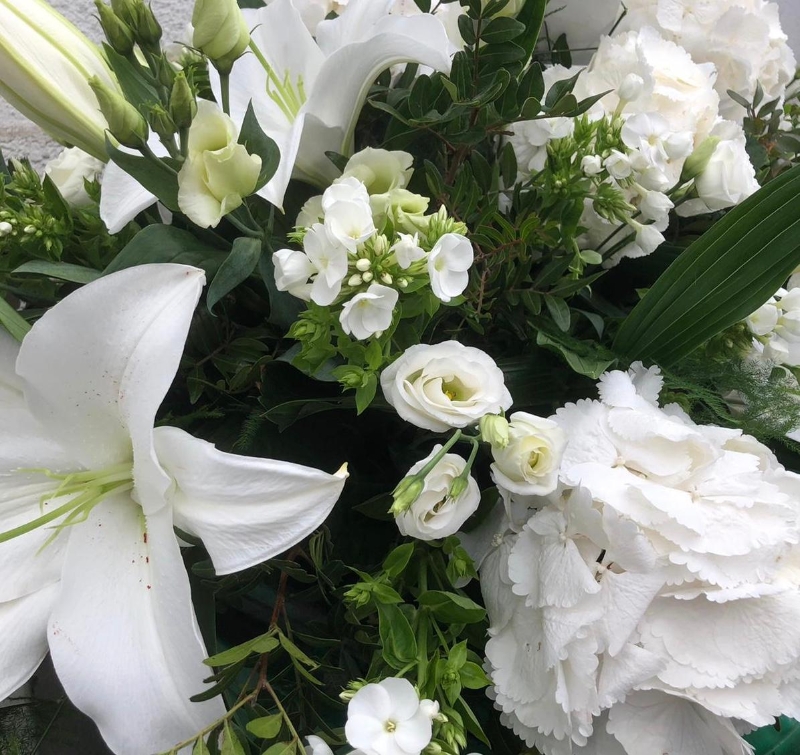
[(91, 565), (348, 214), (448, 265), (729, 177), (292, 271), (529, 463), (329, 259), (388, 718), (407, 250), (437, 513), (446, 385), (370, 312), (218, 173), (69, 171)]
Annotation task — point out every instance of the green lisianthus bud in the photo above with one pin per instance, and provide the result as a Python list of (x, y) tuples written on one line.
[(126, 10), (220, 32), (494, 430), (698, 161), (126, 124), (147, 29), (182, 102), (406, 494), (118, 33), (458, 486), (161, 122)]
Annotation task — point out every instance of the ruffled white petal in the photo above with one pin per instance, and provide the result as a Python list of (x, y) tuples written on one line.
[(123, 635), (245, 509), (98, 364)]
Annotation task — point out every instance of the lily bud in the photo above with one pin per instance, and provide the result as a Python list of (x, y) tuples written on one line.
[(406, 494), (494, 430), (51, 88), (118, 33), (698, 161), (220, 31), (182, 102), (126, 124)]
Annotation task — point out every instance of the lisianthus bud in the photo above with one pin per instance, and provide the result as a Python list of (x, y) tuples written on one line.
[(220, 31), (406, 494), (494, 430), (161, 122), (118, 33), (182, 102), (126, 9), (126, 124), (146, 28)]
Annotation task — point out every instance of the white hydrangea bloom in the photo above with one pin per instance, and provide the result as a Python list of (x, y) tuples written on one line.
[(653, 599), (743, 39)]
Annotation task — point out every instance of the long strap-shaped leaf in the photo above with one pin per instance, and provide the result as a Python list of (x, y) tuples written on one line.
[(720, 279)]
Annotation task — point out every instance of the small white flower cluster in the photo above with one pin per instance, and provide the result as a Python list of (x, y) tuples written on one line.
[(651, 604), (742, 38), (450, 386), (661, 128), (367, 239), (776, 328)]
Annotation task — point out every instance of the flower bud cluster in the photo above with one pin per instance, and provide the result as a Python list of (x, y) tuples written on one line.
[(367, 241)]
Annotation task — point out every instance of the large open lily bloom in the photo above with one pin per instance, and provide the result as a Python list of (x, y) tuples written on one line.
[(307, 93), (90, 564)]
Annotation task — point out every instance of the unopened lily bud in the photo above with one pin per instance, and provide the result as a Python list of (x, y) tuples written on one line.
[(161, 122), (126, 124), (182, 102), (698, 161), (406, 494), (118, 33), (494, 430), (220, 32)]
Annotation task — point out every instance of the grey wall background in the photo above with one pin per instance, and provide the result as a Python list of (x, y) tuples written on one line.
[(19, 137)]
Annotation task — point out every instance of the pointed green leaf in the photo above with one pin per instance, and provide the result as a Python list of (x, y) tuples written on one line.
[(62, 270), (267, 727), (237, 267)]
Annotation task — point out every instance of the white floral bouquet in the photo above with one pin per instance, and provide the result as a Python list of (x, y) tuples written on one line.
[(397, 377)]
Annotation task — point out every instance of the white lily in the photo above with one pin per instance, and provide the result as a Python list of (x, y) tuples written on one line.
[(46, 64), (103, 586), (307, 94)]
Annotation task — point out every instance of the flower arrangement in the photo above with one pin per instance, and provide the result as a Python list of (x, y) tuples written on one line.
[(384, 377)]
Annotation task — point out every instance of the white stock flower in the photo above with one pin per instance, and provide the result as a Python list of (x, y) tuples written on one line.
[(435, 513), (219, 172), (743, 39), (528, 464), (446, 385), (370, 312), (448, 265), (407, 250), (103, 585), (347, 213), (388, 718), (330, 262), (292, 271), (69, 171)]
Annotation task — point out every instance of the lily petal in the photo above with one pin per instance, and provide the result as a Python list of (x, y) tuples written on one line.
[(98, 364), (23, 637), (245, 509), (123, 635)]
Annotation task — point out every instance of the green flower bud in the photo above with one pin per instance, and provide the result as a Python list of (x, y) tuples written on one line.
[(458, 486), (351, 377), (126, 124), (220, 31), (698, 161), (494, 430), (182, 102), (126, 10), (406, 494), (118, 33), (161, 122), (147, 29)]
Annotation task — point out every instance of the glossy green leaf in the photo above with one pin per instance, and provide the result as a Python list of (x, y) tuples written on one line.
[(721, 278), (784, 740), (258, 143), (397, 636), (62, 270), (236, 269), (159, 177)]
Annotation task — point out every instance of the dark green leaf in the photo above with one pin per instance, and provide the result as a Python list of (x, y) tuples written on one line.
[(584, 357), (165, 243), (398, 559), (452, 608), (532, 16), (296, 653), (62, 270), (258, 143), (137, 91), (502, 29), (770, 740), (559, 311), (230, 742), (158, 177), (473, 676), (262, 644), (366, 393), (397, 636), (721, 278), (55, 201), (236, 268)]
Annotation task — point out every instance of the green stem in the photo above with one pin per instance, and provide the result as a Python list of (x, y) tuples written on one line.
[(244, 228), (225, 86), (422, 627), (154, 158)]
